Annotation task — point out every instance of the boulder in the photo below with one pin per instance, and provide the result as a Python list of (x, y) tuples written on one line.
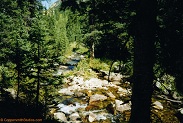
[(78, 80), (79, 94), (94, 83), (74, 117), (122, 91), (92, 117), (102, 116), (97, 97), (116, 82), (158, 105), (114, 77), (122, 107), (111, 95), (60, 117), (66, 91)]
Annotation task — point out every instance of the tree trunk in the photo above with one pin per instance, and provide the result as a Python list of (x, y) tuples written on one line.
[(92, 26), (92, 50), (110, 71), (38, 76), (143, 61), (18, 69)]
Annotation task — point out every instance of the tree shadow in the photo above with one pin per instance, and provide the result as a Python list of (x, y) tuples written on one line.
[(10, 108)]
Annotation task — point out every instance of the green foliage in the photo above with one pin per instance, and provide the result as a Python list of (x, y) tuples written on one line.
[(169, 34), (32, 40), (93, 36), (61, 35), (166, 83), (73, 26), (98, 64), (86, 68), (83, 65), (125, 68), (81, 49), (27, 48), (6, 75)]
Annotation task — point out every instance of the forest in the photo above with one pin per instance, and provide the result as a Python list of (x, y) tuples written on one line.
[(99, 61)]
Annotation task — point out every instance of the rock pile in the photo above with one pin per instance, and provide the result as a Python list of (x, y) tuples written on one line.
[(92, 100)]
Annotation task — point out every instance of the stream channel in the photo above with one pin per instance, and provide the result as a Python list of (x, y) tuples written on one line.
[(94, 100), (71, 62)]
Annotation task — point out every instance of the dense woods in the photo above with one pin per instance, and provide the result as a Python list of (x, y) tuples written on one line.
[(140, 39)]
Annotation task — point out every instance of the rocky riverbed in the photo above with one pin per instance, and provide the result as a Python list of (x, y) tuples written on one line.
[(98, 101), (92, 100)]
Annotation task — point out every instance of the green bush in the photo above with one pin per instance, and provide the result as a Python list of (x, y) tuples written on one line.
[(98, 64), (166, 83)]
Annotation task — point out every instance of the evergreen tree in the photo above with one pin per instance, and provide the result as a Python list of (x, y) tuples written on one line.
[(61, 39), (170, 39)]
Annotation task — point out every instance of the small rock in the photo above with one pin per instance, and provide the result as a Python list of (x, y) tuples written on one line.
[(106, 77), (12, 92), (65, 91), (116, 83), (78, 80), (92, 117), (122, 91), (111, 95), (63, 67), (74, 117), (122, 107), (179, 115), (79, 94), (94, 83), (82, 56), (97, 97), (158, 105), (181, 110), (101, 116), (52, 110), (66, 80), (116, 77), (177, 96), (60, 116), (118, 102), (89, 93)]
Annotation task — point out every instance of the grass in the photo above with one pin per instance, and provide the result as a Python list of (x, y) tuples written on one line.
[(86, 67)]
